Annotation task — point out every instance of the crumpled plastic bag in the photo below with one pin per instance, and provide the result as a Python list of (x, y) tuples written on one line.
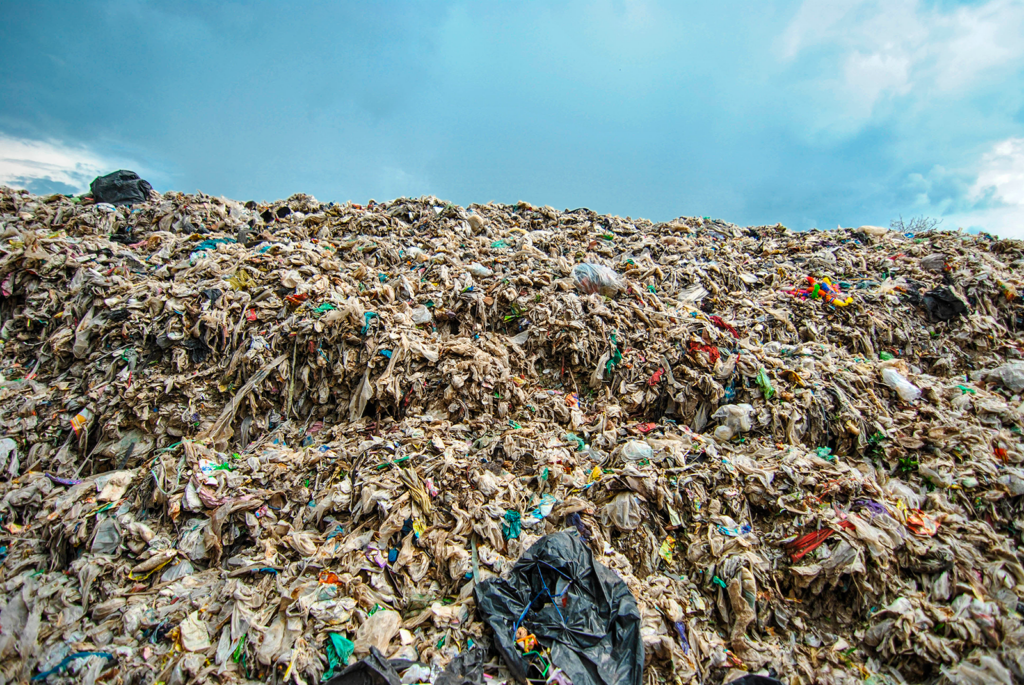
[(623, 511), (590, 621), (9, 456), (377, 631), (634, 450), (121, 187), (735, 418), (194, 635), (597, 278), (907, 391), (1010, 376)]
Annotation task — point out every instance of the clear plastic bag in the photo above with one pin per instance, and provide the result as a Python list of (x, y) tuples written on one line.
[(623, 512), (735, 418), (596, 278), (1010, 376), (634, 450), (907, 391), (107, 538)]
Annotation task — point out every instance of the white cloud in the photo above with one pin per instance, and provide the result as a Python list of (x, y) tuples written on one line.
[(28, 163), (1002, 173), (1001, 183), (869, 76), (977, 39), (994, 202), (890, 47)]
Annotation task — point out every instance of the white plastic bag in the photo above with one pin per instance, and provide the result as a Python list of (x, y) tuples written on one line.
[(420, 314), (479, 270)]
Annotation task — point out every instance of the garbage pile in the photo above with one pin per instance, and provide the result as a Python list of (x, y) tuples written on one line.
[(296, 441)]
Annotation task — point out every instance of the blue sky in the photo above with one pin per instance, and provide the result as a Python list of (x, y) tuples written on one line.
[(813, 114)]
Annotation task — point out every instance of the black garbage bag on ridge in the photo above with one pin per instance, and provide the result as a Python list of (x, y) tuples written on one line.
[(576, 607), (120, 188)]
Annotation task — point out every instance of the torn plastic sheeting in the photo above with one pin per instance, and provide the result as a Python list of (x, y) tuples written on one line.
[(577, 608)]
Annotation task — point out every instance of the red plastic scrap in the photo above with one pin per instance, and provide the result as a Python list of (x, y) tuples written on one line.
[(921, 524), (805, 544), (653, 380), (717, 320), (713, 354)]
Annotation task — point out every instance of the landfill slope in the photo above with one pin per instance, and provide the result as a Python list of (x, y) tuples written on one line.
[(238, 438)]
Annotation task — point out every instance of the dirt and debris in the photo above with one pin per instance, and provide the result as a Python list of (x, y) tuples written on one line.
[(261, 442)]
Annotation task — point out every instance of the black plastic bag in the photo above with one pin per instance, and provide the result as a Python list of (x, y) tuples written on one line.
[(576, 607), (755, 680), (943, 305), (373, 670), (465, 668), (120, 188)]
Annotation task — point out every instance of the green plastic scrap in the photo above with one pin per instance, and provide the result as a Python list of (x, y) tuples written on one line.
[(366, 326), (825, 453), (240, 649), (499, 244), (964, 390), (580, 445), (764, 383), (512, 526), (719, 582), (616, 357), (884, 356), (325, 307), (339, 649)]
